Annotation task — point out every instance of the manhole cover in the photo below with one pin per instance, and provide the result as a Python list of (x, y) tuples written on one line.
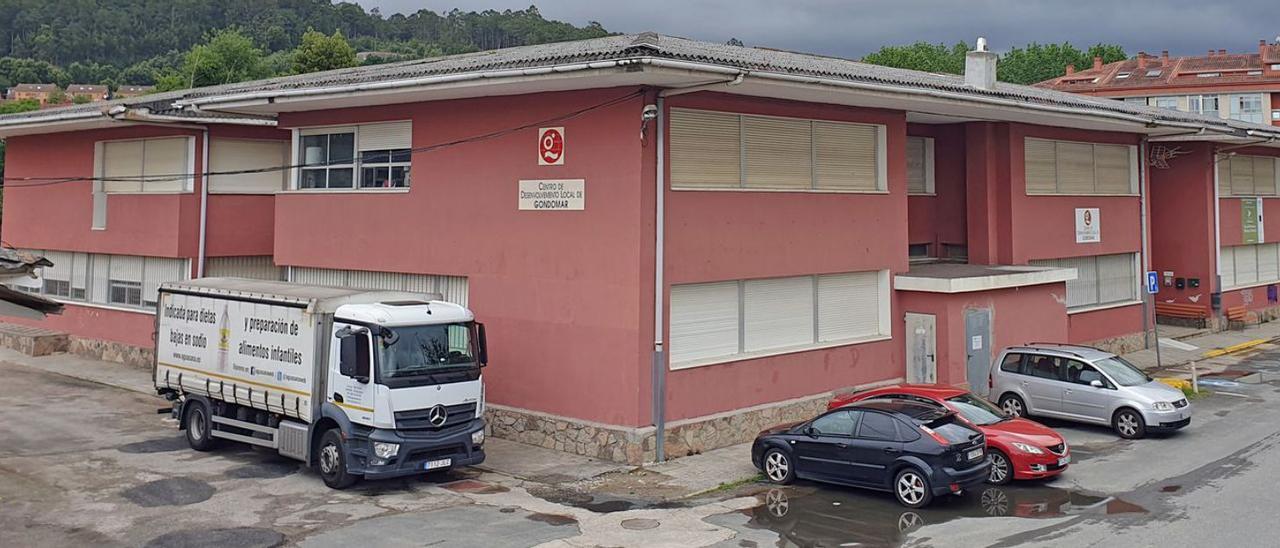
[(639, 524)]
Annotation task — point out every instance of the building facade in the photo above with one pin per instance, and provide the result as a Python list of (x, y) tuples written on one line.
[(700, 249)]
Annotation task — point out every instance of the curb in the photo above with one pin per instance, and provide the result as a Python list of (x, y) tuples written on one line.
[(1236, 348)]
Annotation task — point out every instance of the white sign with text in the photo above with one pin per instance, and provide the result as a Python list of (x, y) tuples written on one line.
[(1088, 229), (553, 194)]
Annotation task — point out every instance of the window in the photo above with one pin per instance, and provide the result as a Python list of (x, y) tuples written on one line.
[(1011, 363), (1123, 75), (1208, 75), (233, 155), (1240, 175), (720, 150), (1167, 102), (1204, 104), (840, 423), (1247, 108), (1154, 73), (1136, 100), (1248, 265), (1254, 73), (1065, 167), (920, 165), (122, 280), (328, 160), (253, 267), (146, 165), (1100, 279), (1044, 367), (368, 156), (384, 168), (956, 252), (724, 321), (877, 426), (918, 251), (452, 288)]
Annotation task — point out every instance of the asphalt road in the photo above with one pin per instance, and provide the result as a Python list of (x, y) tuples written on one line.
[(83, 463)]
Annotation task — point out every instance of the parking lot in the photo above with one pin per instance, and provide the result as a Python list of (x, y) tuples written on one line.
[(87, 463)]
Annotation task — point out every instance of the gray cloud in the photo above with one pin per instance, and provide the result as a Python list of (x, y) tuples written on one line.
[(852, 28)]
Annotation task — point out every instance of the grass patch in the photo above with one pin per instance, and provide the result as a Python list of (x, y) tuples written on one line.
[(731, 485), (1192, 395)]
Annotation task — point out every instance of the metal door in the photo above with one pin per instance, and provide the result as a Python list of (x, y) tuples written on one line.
[(977, 343), (922, 362)]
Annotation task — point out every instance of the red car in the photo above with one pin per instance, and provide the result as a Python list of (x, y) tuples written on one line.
[(1019, 448)]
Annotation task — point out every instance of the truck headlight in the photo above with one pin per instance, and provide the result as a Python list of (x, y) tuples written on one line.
[(385, 450), (1163, 406), (1029, 449), (477, 437)]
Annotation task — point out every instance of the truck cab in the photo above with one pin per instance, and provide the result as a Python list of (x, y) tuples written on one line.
[(404, 384)]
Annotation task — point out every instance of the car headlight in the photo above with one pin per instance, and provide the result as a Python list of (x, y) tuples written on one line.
[(477, 437), (1029, 449), (1163, 406), (385, 450)]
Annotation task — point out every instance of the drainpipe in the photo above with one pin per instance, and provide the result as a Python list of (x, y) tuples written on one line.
[(204, 201), (659, 351), (1148, 301)]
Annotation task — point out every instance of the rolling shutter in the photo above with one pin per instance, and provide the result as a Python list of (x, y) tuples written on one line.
[(125, 268), (848, 306), (453, 289), (779, 153), (1113, 169), (390, 136), (777, 313), (1242, 176), (61, 269), (229, 155), (1268, 262), (1246, 264), (1224, 176), (79, 275), (704, 321), (1075, 168), (99, 271), (706, 149), (122, 159), (1264, 175), (1041, 160), (157, 270), (846, 156), (916, 177), (1227, 266), (254, 267), (1117, 278), (165, 164)]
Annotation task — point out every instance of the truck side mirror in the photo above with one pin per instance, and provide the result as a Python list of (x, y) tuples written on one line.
[(482, 345), (354, 359)]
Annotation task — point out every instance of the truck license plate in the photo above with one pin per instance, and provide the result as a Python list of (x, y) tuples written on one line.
[(1062, 461), (438, 463), (975, 454)]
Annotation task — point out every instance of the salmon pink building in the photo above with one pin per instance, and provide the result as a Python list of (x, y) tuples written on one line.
[(672, 243)]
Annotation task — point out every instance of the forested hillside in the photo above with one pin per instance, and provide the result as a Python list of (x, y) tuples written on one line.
[(139, 41)]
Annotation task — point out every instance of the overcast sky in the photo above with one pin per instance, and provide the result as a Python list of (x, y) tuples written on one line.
[(852, 28)]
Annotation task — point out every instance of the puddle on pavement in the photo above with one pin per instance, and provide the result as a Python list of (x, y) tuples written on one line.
[(834, 516), (554, 520)]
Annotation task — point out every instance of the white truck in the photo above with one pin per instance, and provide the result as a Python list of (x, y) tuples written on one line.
[(372, 384)]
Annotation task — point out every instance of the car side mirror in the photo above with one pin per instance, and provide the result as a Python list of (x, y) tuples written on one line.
[(1096, 383), (810, 431)]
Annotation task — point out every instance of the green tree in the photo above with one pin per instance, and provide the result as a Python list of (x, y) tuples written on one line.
[(226, 57), (1040, 62), (921, 56), (318, 52)]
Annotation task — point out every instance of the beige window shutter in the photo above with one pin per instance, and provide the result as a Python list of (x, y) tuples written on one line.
[(1040, 159), (1224, 176), (389, 136), (122, 159), (916, 177), (1113, 169), (163, 159), (1264, 176), (847, 156), (779, 153), (706, 149), (1075, 168), (230, 155), (1242, 176)]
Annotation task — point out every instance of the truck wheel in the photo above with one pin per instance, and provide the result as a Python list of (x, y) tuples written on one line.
[(199, 427), (332, 461)]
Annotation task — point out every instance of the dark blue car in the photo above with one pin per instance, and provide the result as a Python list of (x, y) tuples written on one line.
[(914, 450)]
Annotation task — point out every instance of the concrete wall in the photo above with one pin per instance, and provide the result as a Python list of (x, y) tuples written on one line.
[(1182, 230), (940, 219)]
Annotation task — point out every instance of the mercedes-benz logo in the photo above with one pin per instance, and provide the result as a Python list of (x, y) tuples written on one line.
[(437, 415)]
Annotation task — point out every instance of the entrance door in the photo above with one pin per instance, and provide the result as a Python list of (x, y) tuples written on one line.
[(922, 362), (977, 346)]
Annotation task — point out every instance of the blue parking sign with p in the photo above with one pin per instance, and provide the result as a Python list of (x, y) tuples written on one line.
[(1153, 282)]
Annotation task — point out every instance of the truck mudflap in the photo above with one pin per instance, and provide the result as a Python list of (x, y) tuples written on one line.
[(418, 451)]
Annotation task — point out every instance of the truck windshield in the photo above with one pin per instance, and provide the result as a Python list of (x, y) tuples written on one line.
[(420, 354)]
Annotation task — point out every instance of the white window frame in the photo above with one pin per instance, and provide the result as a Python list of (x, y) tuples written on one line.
[(883, 332), (356, 165), (1162, 102), (99, 166), (1196, 104), (930, 187), (1237, 110)]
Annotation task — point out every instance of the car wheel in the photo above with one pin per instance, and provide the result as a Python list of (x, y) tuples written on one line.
[(331, 459), (1129, 424), (1001, 468), (912, 488), (778, 467), (199, 426), (1013, 405)]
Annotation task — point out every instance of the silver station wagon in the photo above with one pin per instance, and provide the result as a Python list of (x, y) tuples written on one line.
[(1084, 384)]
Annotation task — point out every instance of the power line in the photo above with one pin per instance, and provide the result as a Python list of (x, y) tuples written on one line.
[(26, 182)]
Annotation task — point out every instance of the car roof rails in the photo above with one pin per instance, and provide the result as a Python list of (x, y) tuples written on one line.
[(1067, 344)]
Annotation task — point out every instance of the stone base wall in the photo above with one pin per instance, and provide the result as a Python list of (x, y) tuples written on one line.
[(32, 341), (111, 351), (635, 446), (1123, 344)]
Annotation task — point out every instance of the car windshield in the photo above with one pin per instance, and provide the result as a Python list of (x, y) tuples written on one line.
[(976, 410), (418, 350), (1122, 372)]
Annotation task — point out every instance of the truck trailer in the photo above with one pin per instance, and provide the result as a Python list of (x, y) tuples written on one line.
[(358, 384)]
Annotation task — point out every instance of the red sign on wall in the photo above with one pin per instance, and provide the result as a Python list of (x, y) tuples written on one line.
[(551, 146)]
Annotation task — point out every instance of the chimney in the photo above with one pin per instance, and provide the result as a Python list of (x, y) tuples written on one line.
[(980, 67), (1164, 57), (1071, 69), (1210, 53), (1262, 48), (1142, 60), (1222, 52), (1097, 62)]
